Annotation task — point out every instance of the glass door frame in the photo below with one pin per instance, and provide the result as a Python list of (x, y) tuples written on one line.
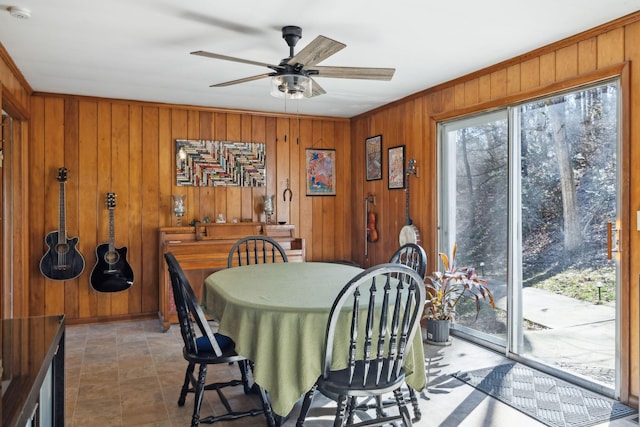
[(514, 341)]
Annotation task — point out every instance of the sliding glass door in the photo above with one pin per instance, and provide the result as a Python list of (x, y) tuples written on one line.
[(529, 193)]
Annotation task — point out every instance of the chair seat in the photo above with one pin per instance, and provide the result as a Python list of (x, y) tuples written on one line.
[(206, 354), (338, 382), (226, 344)]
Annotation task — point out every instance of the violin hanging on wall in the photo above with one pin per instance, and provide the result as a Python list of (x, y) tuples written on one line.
[(372, 233)]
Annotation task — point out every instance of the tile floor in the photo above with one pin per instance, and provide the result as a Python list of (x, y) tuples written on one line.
[(130, 374)]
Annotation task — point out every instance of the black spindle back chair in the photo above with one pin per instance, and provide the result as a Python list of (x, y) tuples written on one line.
[(413, 256), (371, 327), (203, 347), (256, 250)]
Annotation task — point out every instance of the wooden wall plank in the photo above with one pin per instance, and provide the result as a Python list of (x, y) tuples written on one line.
[(547, 68), (587, 55), (103, 170), (72, 142), (611, 47), (54, 137), (530, 74), (567, 62), (36, 283), (87, 200)]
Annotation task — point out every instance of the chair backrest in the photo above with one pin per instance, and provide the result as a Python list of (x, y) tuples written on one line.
[(383, 305), (256, 250), (413, 256), (190, 313)]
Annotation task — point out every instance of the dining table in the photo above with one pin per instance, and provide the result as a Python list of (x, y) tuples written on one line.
[(277, 316)]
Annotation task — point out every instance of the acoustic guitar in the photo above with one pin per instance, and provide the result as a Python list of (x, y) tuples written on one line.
[(62, 261), (409, 233), (112, 272)]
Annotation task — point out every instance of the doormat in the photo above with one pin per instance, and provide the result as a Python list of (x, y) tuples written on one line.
[(550, 400)]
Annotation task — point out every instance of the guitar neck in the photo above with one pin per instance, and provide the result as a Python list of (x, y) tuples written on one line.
[(410, 171), (62, 231), (112, 234)]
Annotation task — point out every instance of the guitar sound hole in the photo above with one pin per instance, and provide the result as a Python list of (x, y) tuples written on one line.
[(112, 257), (62, 248)]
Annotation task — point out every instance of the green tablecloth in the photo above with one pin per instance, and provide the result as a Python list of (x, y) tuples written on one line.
[(277, 316)]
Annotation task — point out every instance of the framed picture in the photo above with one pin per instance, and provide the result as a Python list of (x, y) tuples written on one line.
[(321, 172), (396, 167), (373, 148), (203, 163)]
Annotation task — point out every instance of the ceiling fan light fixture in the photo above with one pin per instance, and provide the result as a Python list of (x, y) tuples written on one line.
[(291, 86)]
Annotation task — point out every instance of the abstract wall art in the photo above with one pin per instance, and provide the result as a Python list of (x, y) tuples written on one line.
[(203, 163)]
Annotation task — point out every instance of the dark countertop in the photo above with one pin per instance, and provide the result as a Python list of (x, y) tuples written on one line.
[(28, 348)]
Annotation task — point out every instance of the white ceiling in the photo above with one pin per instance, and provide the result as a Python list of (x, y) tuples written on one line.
[(139, 49)]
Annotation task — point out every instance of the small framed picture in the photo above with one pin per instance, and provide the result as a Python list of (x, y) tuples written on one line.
[(321, 172), (396, 167), (373, 148)]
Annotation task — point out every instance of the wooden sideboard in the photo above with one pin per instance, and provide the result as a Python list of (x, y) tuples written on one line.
[(204, 248)]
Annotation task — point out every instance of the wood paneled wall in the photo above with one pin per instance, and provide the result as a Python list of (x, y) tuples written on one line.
[(129, 148), (603, 52)]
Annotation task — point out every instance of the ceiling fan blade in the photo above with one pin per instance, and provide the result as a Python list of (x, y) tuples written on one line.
[(353, 72), (231, 58), (317, 51), (316, 89), (244, 80)]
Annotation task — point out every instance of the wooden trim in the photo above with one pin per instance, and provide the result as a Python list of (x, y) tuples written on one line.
[(12, 106)]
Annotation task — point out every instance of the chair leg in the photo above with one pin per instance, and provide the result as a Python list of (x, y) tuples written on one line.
[(416, 406), (266, 406), (243, 365), (402, 406), (187, 384), (199, 394), (352, 404), (306, 404), (341, 411)]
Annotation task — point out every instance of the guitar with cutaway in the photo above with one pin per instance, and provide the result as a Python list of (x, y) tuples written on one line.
[(112, 272)]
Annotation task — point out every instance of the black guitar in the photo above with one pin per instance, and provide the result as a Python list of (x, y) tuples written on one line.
[(112, 272), (62, 261)]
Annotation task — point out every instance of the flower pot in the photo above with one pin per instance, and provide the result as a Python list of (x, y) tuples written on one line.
[(437, 332)]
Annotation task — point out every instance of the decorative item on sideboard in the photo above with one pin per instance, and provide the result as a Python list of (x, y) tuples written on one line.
[(268, 207), (178, 207)]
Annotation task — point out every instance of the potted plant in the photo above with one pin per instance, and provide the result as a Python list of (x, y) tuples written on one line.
[(445, 290)]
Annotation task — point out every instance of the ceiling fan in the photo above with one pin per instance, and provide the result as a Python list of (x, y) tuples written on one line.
[(292, 77)]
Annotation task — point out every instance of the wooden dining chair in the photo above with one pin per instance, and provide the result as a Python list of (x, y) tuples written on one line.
[(256, 250), (202, 347), (414, 257), (369, 340)]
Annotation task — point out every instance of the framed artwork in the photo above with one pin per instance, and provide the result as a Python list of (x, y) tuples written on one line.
[(396, 167), (373, 148), (202, 163), (321, 172)]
